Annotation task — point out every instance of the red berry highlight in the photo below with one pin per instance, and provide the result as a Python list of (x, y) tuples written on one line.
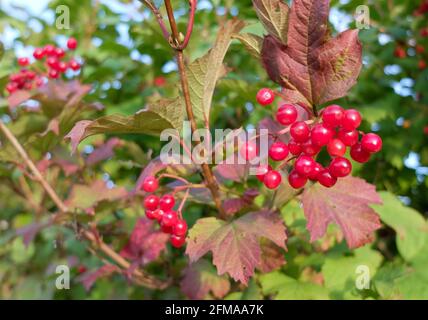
[(371, 142), (150, 184), (265, 96), (340, 167), (287, 114), (72, 43), (278, 151), (167, 202), (300, 131), (351, 119), (272, 179), (296, 180), (336, 148)]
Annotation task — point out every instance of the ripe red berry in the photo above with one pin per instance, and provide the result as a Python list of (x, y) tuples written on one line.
[(38, 53), (349, 138), (265, 96), (332, 116), (300, 131), (167, 202), (340, 167), (422, 64), (169, 218), (294, 147), (62, 66), (151, 214), (151, 202), (272, 179), (249, 150), (359, 154), (74, 65), (296, 180), (336, 148), (165, 229), (53, 74), (72, 43), (23, 62), (177, 241), (150, 184), (180, 228), (39, 82), (11, 87), (351, 119), (304, 165), (52, 62), (371, 142), (326, 179), (420, 49), (158, 214), (159, 81), (278, 151), (59, 52), (49, 50), (287, 114), (321, 135), (309, 148), (314, 174), (261, 171)]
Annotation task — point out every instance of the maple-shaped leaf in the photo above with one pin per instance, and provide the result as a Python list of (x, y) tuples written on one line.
[(200, 278), (348, 205), (235, 245), (312, 67), (232, 206), (273, 14), (272, 257), (145, 243)]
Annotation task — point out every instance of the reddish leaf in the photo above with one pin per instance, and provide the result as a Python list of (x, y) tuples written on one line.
[(200, 278), (18, 97), (88, 279), (347, 205), (272, 257), (103, 152), (28, 232), (235, 245), (313, 68), (230, 169), (232, 206), (145, 243)]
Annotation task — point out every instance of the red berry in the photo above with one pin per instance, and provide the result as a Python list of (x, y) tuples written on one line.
[(62, 66), (321, 135), (287, 114), (180, 228), (371, 142), (326, 179), (359, 154), (296, 180), (11, 87), (166, 229), (151, 202), (261, 171), (309, 148), (169, 218), (349, 138), (272, 179), (38, 53), (31, 75), (314, 174), (158, 214), (332, 116), (420, 49), (74, 65), (23, 62), (294, 147), (249, 150), (300, 131), (39, 82), (59, 52), (177, 241), (167, 202), (426, 130), (304, 165), (159, 81), (151, 214), (336, 148), (150, 184), (340, 167), (72, 43), (52, 62), (53, 74), (422, 64), (265, 96), (49, 50), (278, 151), (351, 119)]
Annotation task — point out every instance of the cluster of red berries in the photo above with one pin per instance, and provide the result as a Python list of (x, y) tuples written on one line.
[(161, 209), (422, 9), (27, 79), (336, 130)]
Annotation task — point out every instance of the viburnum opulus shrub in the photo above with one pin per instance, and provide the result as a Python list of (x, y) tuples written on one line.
[(313, 143)]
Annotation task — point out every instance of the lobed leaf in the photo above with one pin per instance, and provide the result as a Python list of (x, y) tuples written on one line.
[(273, 14)]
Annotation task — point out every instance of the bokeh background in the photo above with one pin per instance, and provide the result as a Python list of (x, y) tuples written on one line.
[(128, 63)]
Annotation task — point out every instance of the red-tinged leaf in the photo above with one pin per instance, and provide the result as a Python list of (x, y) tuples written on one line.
[(88, 196), (272, 257), (103, 152), (235, 245), (200, 278), (145, 243), (30, 231), (348, 205), (230, 169), (18, 97), (273, 14), (89, 278), (313, 68), (232, 206)]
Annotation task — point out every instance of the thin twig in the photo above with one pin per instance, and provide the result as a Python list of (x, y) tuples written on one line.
[(158, 16), (144, 278)]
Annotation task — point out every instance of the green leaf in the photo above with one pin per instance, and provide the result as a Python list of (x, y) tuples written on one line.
[(165, 114), (287, 288), (252, 43), (204, 72), (273, 14), (410, 226)]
